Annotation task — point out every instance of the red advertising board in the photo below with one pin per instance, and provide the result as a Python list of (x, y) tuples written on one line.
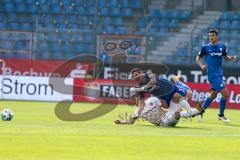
[(201, 91), (43, 68), (118, 92)]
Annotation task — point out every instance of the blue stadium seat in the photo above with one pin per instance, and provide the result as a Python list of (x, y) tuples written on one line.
[(89, 38), (18, 1), (100, 29), (143, 22), (78, 48), (121, 30), (225, 16), (21, 8), (9, 8), (42, 45), (27, 27), (214, 24), (3, 25), (155, 22), (80, 11), (224, 25), (56, 9), (235, 33), (102, 3), (164, 30), (77, 3), (116, 12), (43, 55), (49, 25), (68, 10), (58, 55), (71, 18), (235, 25), (52, 37), (136, 4), (44, 9), (90, 2), (117, 21), (164, 23), (175, 14), (113, 3), (140, 31), (185, 15), (7, 45), (109, 30), (53, 2), (153, 31), (155, 13), (165, 14), (124, 3), (104, 11), (33, 9), (107, 21), (14, 25), (91, 11), (174, 24), (235, 17), (127, 12), (43, 1), (233, 43), (63, 36), (232, 51)]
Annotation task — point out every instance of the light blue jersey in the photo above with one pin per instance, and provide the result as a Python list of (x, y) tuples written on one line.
[(182, 85)]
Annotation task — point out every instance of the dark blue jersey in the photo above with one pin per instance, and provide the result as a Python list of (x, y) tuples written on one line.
[(214, 54), (161, 88)]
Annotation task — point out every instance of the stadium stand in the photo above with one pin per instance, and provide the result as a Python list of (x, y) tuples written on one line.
[(61, 29)]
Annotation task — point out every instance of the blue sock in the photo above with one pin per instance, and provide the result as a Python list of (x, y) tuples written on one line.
[(222, 106), (206, 103)]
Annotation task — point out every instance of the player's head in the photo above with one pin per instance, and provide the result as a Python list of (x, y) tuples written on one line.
[(137, 74), (213, 35)]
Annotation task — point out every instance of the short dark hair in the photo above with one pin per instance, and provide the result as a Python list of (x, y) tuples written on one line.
[(136, 70), (216, 31)]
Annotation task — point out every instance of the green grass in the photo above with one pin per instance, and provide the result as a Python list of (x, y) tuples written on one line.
[(36, 133)]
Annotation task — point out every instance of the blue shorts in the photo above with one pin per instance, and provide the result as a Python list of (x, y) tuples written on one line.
[(216, 82), (168, 97)]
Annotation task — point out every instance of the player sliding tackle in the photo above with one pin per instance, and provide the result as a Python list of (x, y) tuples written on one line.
[(174, 95)]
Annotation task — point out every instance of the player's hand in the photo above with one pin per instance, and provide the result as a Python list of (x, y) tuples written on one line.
[(203, 67), (117, 122), (232, 58), (135, 90)]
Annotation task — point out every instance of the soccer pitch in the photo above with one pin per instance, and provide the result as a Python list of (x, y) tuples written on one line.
[(36, 133)]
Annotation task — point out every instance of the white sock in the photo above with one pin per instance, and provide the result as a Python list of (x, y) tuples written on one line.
[(184, 104), (189, 113)]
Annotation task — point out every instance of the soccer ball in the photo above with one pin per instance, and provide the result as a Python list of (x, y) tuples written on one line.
[(7, 115)]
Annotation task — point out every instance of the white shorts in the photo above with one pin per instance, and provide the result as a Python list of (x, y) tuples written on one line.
[(154, 114)]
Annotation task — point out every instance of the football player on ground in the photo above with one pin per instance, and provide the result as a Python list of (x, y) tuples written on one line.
[(155, 112)]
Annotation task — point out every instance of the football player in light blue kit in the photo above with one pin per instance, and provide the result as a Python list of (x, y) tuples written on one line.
[(214, 53)]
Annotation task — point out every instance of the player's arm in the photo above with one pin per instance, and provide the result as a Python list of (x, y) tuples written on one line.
[(130, 121), (199, 62), (227, 57), (230, 58), (139, 100), (152, 82)]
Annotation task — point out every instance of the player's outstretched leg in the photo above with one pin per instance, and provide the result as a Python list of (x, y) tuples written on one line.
[(209, 100), (223, 102)]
